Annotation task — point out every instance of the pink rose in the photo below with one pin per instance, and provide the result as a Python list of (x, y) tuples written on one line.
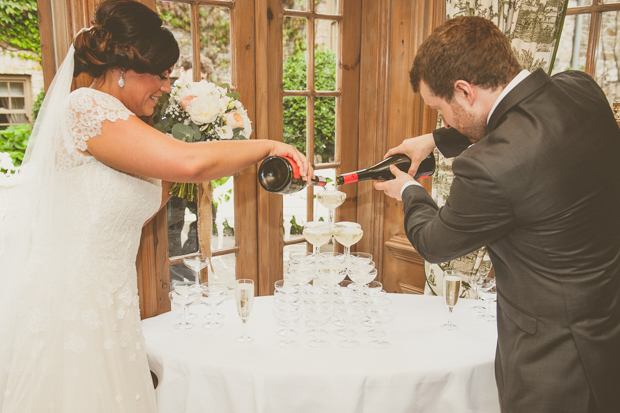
[(234, 119), (187, 101)]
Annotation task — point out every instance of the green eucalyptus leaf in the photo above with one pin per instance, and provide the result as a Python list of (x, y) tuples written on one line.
[(160, 128), (183, 132), (233, 95)]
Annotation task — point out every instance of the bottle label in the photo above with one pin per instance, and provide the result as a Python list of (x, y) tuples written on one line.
[(296, 173), (321, 183), (350, 178)]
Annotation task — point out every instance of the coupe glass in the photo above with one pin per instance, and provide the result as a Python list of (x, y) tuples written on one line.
[(380, 312), (212, 295), (475, 279), (196, 263), (451, 291), (488, 293), (347, 234), (317, 233), (331, 199), (350, 313), (319, 311), (183, 294), (287, 310), (244, 296)]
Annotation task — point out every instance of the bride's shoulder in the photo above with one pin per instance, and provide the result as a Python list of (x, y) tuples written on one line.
[(86, 99)]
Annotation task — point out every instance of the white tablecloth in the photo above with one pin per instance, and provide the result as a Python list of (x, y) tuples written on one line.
[(426, 369)]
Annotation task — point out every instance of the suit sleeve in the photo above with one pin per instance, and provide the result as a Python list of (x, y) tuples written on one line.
[(450, 142), (477, 212)]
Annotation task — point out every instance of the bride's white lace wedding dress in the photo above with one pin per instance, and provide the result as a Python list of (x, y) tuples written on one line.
[(75, 341)]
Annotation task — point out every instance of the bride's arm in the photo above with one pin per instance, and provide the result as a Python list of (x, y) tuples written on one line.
[(137, 148)]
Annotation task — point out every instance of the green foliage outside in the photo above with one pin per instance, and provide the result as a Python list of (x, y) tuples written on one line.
[(13, 140), (19, 26), (324, 108)]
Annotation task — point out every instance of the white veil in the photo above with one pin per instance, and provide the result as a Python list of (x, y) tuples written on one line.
[(28, 209)]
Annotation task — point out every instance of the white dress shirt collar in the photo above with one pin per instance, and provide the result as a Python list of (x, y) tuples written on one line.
[(513, 83)]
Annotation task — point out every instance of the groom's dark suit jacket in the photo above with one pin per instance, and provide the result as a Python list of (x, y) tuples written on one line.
[(542, 191)]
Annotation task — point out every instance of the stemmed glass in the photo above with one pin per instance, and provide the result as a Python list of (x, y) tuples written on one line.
[(350, 313), (183, 294), (380, 312), (244, 296), (287, 309), (451, 291), (196, 263), (475, 279), (347, 234), (319, 311), (488, 293), (212, 295), (331, 199), (317, 233)]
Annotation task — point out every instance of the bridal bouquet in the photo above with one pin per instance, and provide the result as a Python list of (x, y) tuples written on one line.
[(198, 112)]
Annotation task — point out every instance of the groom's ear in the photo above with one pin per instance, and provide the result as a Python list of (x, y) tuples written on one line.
[(464, 92)]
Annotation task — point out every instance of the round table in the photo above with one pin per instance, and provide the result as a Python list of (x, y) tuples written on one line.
[(426, 369)]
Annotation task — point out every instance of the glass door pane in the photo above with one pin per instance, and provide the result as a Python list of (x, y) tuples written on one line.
[(608, 56), (573, 46)]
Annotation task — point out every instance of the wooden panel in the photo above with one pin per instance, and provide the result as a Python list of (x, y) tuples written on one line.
[(269, 126), (46, 34), (347, 113), (373, 108), (244, 52)]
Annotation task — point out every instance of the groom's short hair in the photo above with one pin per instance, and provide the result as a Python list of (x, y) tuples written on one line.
[(469, 48)]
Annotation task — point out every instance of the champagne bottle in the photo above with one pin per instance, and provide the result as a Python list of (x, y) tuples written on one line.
[(381, 171), (281, 175)]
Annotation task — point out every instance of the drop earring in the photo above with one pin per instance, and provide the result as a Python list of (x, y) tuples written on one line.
[(121, 82)]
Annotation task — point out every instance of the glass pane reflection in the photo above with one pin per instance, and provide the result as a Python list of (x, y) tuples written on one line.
[(294, 53), (324, 130), (294, 122), (571, 53), (608, 56)]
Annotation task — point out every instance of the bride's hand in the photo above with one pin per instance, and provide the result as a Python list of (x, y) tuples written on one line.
[(283, 149)]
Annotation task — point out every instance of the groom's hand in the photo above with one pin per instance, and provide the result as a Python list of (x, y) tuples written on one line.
[(393, 187)]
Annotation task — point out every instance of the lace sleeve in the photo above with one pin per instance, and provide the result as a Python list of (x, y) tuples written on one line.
[(87, 110)]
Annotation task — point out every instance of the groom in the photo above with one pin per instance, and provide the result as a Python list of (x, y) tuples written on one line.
[(540, 186)]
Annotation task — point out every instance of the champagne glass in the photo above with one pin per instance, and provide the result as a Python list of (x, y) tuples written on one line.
[(347, 234), (488, 293), (244, 296), (451, 291), (287, 309), (475, 279), (350, 312), (331, 199), (319, 311), (196, 263), (212, 295), (317, 233), (380, 311), (183, 294)]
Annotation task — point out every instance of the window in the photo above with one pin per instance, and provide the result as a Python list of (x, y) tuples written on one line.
[(15, 100), (311, 93), (590, 42)]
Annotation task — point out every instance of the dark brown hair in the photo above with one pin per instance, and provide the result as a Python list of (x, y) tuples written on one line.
[(128, 35), (469, 48)]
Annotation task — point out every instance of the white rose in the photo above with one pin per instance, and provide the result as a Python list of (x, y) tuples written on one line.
[(225, 132), (204, 109)]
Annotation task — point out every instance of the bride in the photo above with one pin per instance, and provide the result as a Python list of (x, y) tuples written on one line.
[(70, 221)]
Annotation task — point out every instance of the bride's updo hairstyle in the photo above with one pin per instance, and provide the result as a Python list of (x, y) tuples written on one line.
[(128, 35)]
